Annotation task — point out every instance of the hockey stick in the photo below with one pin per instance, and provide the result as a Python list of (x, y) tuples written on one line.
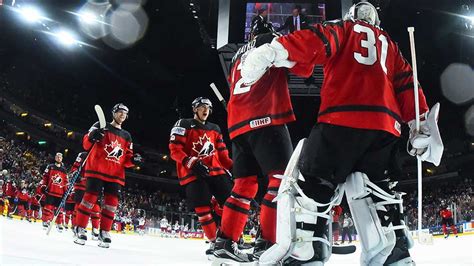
[(219, 95), (411, 33), (102, 124)]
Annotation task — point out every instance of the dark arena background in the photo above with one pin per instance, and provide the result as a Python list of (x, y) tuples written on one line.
[(60, 58)]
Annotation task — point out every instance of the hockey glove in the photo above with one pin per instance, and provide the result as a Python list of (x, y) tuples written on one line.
[(196, 166), (257, 61), (137, 159), (427, 142), (96, 135)]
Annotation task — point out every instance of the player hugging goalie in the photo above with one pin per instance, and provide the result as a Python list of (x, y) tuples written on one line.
[(367, 94)]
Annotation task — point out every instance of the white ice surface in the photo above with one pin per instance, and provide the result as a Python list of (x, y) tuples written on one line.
[(26, 243)]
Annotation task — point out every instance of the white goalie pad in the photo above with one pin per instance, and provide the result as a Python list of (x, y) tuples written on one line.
[(377, 241), (294, 207), (285, 228)]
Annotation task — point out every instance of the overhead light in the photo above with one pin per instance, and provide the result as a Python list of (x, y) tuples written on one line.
[(164, 157), (194, 11), (429, 171), (88, 17), (24, 114), (41, 142), (137, 168), (65, 37), (49, 124), (195, 16), (31, 14), (66, 151), (191, 4), (20, 133), (70, 133)]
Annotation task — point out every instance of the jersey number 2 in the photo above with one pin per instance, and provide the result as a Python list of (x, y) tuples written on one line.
[(369, 44), (240, 86)]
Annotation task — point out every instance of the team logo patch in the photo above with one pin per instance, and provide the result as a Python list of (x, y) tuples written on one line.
[(260, 122), (114, 151), (204, 147), (57, 179), (178, 131)]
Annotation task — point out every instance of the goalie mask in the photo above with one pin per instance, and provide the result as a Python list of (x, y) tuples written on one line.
[(363, 11)]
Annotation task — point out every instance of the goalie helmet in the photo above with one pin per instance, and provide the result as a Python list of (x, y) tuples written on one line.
[(363, 11)]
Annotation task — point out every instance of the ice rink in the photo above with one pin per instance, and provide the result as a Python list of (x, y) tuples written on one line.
[(27, 243)]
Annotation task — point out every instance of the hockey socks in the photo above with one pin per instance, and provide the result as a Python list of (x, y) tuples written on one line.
[(237, 206), (207, 222)]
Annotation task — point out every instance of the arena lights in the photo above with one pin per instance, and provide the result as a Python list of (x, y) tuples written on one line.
[(20, 133), (42, 142), (31, 14), (65, 37), (49, 124), (70, 133), (164, 157), (24, 114)]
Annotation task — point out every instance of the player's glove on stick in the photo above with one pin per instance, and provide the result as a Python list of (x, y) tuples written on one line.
[(427, 142), (96, 135), (196, 166), (257, 61)]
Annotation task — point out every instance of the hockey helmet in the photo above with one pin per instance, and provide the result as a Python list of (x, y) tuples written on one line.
[(118, 107), (363, 11), (201, 101)]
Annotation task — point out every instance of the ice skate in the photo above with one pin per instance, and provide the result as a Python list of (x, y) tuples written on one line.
[(95, 234), (104, 239), (81, 235)]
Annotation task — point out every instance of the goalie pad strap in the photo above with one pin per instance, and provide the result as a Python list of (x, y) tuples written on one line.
[(306, 226)]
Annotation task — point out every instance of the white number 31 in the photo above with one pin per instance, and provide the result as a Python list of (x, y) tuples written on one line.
[(369, 44)]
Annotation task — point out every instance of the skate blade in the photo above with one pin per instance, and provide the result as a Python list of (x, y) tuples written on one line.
[(80, 242), (229, 262), (104, 245)]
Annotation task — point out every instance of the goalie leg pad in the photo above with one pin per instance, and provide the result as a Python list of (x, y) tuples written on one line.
[(377, 241), (285, 225)]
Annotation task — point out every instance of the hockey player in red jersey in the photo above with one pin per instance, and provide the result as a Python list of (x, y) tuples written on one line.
[(367, 94), (447, 220), (35, 205), (54, 184), (336, 214), (261, 144), (23, 201), (9, 190), (202, 160), (111, 151)]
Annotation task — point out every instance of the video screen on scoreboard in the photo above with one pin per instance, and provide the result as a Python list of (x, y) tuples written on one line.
[(279, 13)]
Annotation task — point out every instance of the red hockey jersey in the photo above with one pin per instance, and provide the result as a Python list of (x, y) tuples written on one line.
[(336, 213), (368, 84), (191, 138), (81, 180), (37, 197), (55, 179), (110, 156), (446, 214), (265, 103), (22, 196), (9, 189)]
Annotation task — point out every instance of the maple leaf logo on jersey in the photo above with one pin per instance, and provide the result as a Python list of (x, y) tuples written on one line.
[(203, 146), (57, 179), (114, 151)]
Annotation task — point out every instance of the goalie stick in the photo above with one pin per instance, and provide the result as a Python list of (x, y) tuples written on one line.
[(102, 124), (341, 250)]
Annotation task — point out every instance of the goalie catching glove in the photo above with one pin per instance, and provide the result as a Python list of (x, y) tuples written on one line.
[(196, 165), (427, 142), (257, 61)]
